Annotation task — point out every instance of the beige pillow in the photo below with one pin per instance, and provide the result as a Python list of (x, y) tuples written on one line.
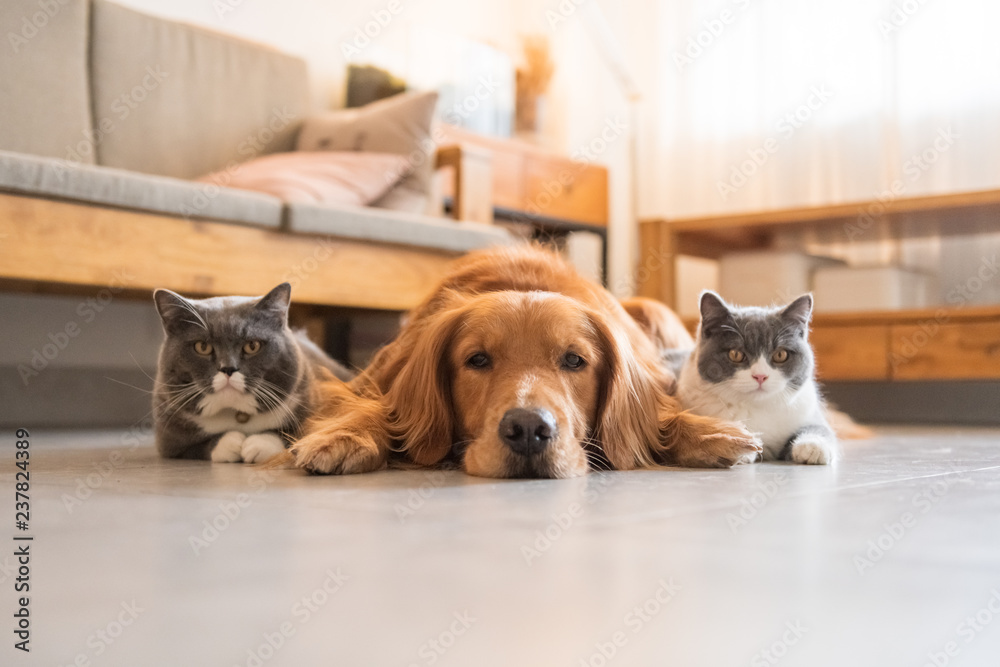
[(400, 124), (317, 178)]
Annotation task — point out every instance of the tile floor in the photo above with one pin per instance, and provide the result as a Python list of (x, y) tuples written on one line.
[(890, 558)]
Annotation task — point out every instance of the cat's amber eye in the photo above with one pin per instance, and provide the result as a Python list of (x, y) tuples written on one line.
[(203, 348), (780, 356), (736, 356), (251, 347)]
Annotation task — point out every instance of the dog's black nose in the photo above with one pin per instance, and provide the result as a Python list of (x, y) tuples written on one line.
[(528, 431), (228, 370)]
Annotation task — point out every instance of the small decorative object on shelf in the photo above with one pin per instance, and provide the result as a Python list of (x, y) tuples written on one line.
[(533, 80)]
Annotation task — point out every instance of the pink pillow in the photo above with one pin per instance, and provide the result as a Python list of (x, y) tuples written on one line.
[(317, 178)]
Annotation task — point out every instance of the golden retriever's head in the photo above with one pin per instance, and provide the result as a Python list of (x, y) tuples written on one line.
[(523, 384)]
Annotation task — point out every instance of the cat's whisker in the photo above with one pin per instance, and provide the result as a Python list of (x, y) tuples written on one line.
[(139, 366), (178, 402), (181, 397), (273, 398), (130, 386), (180, 407)]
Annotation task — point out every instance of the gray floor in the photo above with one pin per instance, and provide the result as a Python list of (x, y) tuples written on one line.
[(887, 559)]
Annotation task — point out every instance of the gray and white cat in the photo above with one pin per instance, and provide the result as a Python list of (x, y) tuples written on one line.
[(755, 366), (234, 383)]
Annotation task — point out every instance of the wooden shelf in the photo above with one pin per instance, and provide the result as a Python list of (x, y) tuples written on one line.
[(903, 217)]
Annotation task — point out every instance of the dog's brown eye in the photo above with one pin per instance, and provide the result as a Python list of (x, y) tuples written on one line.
[(251, 347), (203, 348), (478, 360), (736, 356), (780, 357), (573, 362)]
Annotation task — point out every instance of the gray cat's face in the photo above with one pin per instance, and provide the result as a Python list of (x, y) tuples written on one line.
[(227, 352), (755, 352)]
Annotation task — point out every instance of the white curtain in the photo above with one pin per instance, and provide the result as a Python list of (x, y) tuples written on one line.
[(759, 104), (764, 104)]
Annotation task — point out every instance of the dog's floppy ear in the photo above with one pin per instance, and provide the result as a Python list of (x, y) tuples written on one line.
[(629, 403), (419, 401)]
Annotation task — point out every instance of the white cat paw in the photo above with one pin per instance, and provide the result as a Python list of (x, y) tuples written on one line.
[(262, 446), (229, 448), (812, 452)]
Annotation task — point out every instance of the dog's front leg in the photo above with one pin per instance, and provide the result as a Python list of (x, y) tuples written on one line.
[(693, 441), (352, 438)]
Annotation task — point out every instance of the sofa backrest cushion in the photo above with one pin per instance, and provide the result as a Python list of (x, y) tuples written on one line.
[(399, 124), (184, 101), (44, 97)]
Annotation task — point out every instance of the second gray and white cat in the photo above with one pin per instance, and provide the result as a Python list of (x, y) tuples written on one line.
[(755, 366)]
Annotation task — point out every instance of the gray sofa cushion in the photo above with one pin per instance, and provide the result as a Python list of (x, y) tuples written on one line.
[(47, 177), (384, 226), (44, 96), (186, 101)]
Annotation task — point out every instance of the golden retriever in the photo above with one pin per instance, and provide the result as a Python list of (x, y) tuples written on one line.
[(515, 366)]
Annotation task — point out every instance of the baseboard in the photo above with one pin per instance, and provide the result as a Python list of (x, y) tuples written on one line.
[(958, 402), (74, 398)]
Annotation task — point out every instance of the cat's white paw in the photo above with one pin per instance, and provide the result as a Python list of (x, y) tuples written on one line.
[(229, 448), (262, 446), (812, 452)]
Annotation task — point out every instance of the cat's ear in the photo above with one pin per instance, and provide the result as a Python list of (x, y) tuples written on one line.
[(176, 313), (799, 311), (276, 302), (714, 311)]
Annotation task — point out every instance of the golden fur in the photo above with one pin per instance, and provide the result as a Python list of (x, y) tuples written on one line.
[(526, 308), (659, 323)]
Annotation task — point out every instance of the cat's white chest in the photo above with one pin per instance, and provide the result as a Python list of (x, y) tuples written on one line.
[(229, 420), (229, 409), (773, 419)]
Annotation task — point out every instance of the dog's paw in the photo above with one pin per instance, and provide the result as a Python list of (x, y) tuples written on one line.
[(731, 445), (812, 452), (261, 447), (229, 449), (338, 454)]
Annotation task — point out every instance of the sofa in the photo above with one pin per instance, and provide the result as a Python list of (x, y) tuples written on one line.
[(106, 117)]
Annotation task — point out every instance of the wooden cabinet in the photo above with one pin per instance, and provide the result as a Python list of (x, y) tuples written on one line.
[(557, 187), (951, 351), (851, 352), (540, 186), (931, 344), (508, 181)]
